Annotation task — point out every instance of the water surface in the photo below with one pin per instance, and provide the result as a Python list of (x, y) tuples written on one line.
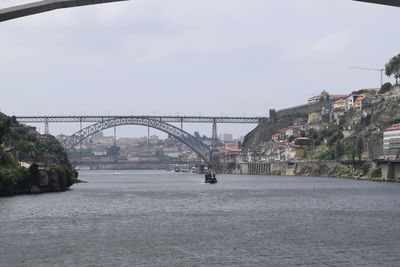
[(147, 218)]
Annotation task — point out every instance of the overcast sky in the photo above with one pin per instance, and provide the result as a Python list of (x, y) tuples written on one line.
[(208, 57)]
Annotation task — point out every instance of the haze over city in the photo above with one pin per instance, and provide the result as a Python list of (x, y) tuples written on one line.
[(225, 57)]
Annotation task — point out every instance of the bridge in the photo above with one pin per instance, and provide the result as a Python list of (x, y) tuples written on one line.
[(49, 5), (162, 123), (168, 119)]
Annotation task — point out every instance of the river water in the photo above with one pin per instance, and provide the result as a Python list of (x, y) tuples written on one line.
[(155, 218)]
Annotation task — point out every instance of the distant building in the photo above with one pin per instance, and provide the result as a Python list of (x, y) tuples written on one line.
[(226, 137), (61, 137), (326, 109), (325, 96), (293, 131), (303, 141), (314, 117), (391, 142), (340, 105)]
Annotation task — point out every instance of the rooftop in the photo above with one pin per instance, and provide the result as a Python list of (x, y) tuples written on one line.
[(394, 127)]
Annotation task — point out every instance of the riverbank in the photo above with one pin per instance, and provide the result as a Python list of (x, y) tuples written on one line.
[(30, 181), (386, 171)]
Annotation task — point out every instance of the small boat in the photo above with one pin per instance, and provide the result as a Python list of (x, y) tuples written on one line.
[(210, 178)]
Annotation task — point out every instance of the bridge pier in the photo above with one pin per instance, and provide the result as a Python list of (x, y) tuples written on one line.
[(46, 127)]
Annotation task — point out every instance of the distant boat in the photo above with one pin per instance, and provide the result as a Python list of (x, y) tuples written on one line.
[(210, 178)]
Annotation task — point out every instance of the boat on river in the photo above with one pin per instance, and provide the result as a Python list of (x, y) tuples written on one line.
[(210, 178)]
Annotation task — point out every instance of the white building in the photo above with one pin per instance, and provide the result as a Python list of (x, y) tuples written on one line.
[(391, 142), (226, 137)]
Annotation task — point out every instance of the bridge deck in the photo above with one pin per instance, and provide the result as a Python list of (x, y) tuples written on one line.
[(169, 119)]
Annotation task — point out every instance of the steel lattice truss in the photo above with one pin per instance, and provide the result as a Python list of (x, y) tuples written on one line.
[(196, 145), (167, 119)]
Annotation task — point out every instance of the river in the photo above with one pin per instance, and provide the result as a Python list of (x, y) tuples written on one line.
[(155, 218)]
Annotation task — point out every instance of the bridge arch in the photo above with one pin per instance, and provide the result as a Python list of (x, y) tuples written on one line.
[(201, 149)]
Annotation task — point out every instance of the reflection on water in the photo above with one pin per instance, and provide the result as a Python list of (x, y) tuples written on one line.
[(169, 219)]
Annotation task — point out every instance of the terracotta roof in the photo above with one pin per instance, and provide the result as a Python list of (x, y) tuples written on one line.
[(393, 127), (302, 138), (337, 96), (340, 101)]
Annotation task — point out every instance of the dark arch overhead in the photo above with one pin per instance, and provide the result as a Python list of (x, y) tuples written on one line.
[(201, 149), (44, 6), (383, 2)]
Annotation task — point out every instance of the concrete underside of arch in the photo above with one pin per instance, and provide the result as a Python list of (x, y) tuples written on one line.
[(382, 2), (44, 6)]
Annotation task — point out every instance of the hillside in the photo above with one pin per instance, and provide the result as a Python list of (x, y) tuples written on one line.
[(31, 162), (334, 133)]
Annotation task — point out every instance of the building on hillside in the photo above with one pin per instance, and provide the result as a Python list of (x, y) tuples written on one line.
[(293, 131), (299, 122), (325, 96), (358, 102), (303, 141), (280, 135), (362, 102), (391, 142), (316, 126), (340, 105), (326, 109), (99, 152), (351, 100), (314, 117), (231, 152), (289, 154)]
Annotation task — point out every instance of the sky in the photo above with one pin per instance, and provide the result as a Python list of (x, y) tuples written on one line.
[(190, 57)]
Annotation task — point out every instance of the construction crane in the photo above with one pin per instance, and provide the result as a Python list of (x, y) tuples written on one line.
[(371, 69)]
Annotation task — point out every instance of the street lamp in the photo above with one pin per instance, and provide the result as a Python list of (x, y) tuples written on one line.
[(44, 6)]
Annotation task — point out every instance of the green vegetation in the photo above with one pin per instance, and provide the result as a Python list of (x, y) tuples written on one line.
[(49, 167), (385, 88), (392, 68)]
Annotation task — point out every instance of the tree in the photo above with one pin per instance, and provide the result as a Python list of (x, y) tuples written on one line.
[(339, 150), (34, 174), (385, 88), (359, 148), (113, 151), (392, 68), (312, 134), (197, 135), (26, 150)]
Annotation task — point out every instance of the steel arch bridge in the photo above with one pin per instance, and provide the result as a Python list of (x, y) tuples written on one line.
[(201, 149)]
